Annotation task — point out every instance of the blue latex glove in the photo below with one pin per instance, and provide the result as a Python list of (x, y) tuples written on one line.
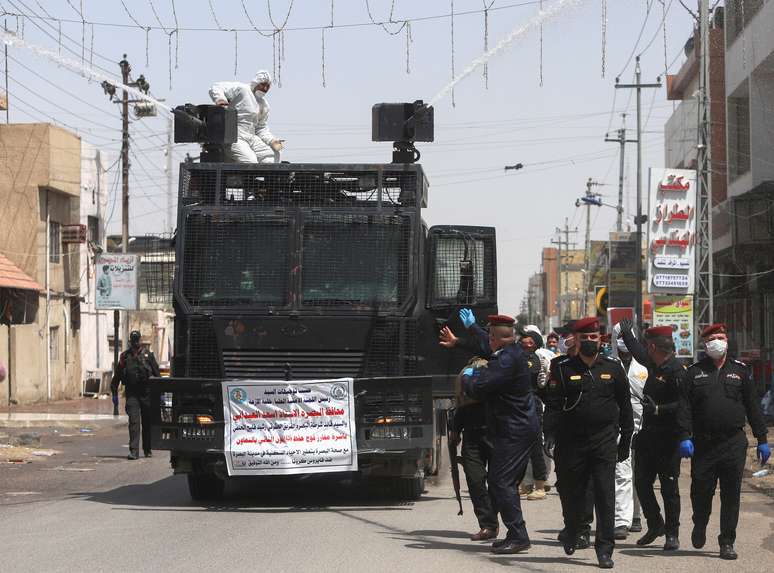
[(467, 317), (686, 449), (468, 372), (115, 400), (764, 452)]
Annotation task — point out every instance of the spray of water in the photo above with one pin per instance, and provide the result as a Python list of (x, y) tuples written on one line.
[(542, 17), (77, 67)]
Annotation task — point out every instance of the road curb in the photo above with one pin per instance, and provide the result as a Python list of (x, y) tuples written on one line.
[(68, 421)]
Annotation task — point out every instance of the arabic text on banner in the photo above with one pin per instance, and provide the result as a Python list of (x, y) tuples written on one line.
[(116, 287), (671, 231), (276, 427), (677, 313)]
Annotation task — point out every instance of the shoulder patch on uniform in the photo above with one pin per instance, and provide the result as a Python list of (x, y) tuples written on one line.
[(561, 359), (606, 376)]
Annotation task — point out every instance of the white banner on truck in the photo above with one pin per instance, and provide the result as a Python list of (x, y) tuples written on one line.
[(274, 428)]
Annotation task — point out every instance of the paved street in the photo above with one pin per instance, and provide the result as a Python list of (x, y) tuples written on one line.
[(87, 509)]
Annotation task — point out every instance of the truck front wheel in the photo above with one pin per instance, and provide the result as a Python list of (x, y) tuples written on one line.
[(205, 486), (410, 488)]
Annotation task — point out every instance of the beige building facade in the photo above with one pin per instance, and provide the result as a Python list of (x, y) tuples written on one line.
[(40, 189)]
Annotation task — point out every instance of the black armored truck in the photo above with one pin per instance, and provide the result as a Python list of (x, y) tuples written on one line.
[(295, 271)]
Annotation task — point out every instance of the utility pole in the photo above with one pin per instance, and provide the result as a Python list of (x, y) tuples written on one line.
[(560, 262), (110, 91), (168, 171), (640, 218), (622, 141), (7, 97), (704, 303), (590, 199)]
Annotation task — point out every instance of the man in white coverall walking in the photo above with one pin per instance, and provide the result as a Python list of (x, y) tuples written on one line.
[(255, 143), (627, 507)]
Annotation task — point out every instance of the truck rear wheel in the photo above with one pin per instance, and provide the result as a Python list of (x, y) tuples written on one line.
[(410, 489), (205, 486)]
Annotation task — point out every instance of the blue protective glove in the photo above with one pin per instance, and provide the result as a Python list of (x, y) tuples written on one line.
[(467, 317), (764, 452), (468, 372), (686, 449), (115, 400)]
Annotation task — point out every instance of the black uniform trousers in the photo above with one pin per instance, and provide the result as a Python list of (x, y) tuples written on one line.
[(581, 458), (476, 457), (658, 454), (506, 470), (138, 408), (539, 469), (718, 460), (586, 508)]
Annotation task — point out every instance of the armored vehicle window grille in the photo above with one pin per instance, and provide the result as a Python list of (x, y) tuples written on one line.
[(355, 260), (235, 259), (391, 352), (256, 186), (203, 358), (452, 256), (197, 187), (157, 269)]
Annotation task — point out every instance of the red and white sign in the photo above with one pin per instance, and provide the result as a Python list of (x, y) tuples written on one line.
[(671, 231)]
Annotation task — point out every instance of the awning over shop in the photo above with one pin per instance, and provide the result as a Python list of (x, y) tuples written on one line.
[(18, 294), (13, 277)]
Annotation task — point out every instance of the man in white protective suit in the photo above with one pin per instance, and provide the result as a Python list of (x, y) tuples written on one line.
[(627, 507), (255, 143)]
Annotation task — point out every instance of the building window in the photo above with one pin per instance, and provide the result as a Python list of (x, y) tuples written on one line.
[(738, 16), (739, 136), (53, 342), (54, 242), (93, 223)]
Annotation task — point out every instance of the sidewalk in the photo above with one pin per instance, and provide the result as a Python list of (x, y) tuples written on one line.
[(62, 412)]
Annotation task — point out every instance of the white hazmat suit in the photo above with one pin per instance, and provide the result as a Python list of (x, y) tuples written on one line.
[(626, 503), (254, 143)]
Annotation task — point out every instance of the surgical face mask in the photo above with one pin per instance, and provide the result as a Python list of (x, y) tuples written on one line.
[(589, 348), (716, 348)]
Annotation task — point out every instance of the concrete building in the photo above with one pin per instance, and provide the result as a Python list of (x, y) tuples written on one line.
[(565, 292), (536, 308), (156, 319), (744, 287), (40, 188), (96, 325)]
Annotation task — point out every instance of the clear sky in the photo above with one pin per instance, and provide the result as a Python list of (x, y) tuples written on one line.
[(556, 130)]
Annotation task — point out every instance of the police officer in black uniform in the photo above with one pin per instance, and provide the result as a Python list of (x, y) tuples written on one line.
[(469, 423), (588, 407), (135, 366), (504, 387), (657, 451), (719, 393), (583, 540)]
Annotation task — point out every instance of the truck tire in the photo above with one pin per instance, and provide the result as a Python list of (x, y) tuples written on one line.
[(410, 489), (205, 486)]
